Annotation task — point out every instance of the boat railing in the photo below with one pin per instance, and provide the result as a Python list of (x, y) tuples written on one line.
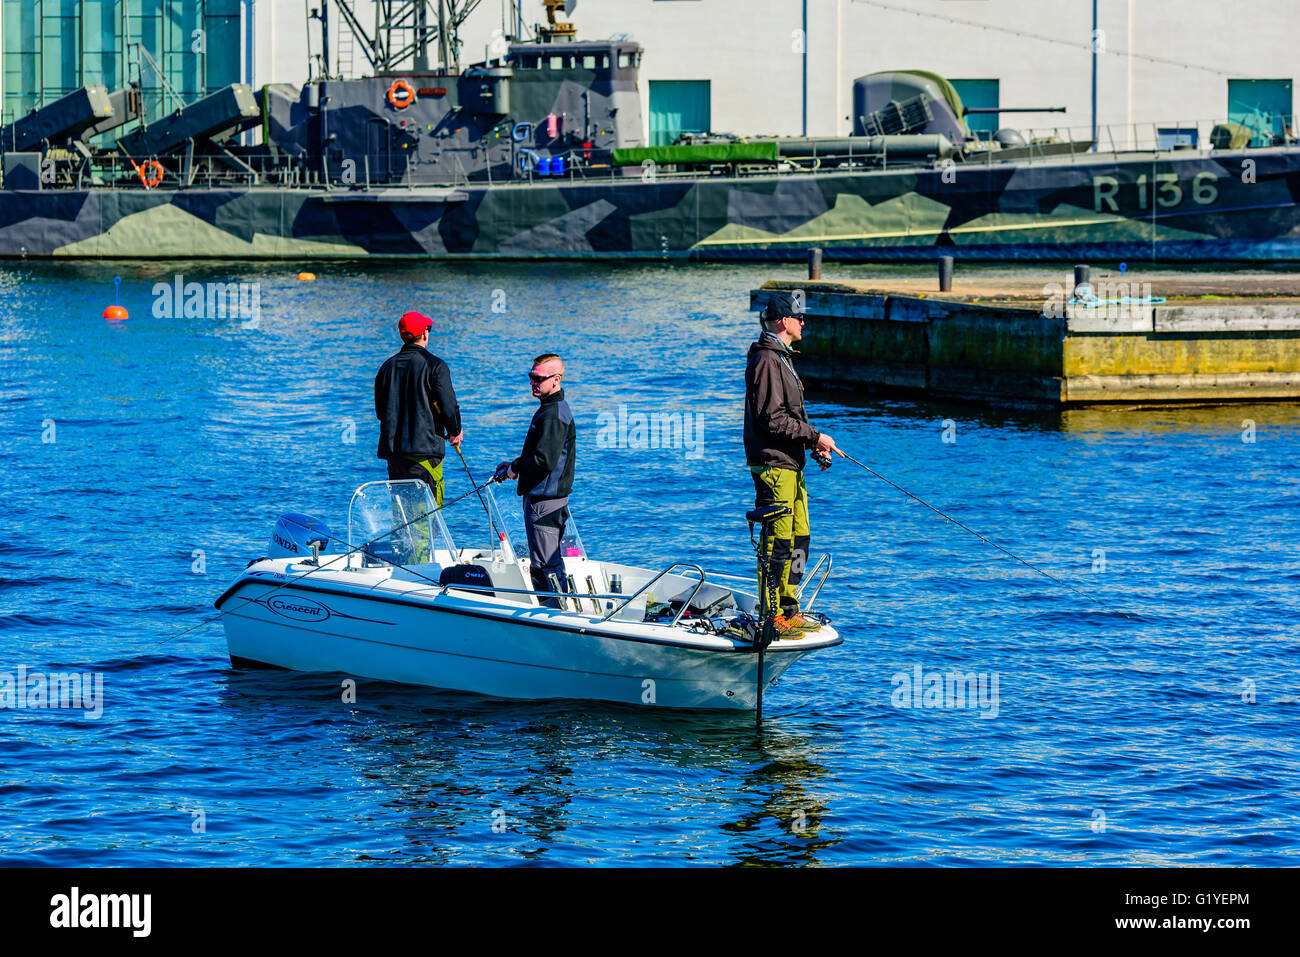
[(808, 577), (624, 599), (562, 595), (826, 559), (686, 604)]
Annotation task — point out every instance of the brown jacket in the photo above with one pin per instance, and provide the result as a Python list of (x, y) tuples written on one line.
[(776, 426)]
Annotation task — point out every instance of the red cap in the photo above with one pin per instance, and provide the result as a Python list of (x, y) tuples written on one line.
[(413, 325)]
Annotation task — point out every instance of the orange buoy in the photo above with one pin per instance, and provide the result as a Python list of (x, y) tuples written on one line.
[(306, 276), (116, 312)]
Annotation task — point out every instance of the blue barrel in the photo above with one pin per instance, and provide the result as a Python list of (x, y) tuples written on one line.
[(544, 166), (557, 166)]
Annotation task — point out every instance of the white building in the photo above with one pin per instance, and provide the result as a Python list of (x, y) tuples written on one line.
[(744, 66), (749, 66)]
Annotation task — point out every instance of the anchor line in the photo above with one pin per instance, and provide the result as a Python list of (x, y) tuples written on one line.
[(1064, 584), (350, 551)]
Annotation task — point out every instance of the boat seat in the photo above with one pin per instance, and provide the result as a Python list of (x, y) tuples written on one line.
[(766, 514), (475, 575)]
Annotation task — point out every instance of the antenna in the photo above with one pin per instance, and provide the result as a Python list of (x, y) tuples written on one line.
[(404, 31)]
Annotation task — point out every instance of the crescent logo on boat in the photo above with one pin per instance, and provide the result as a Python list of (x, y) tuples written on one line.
[(299, 609)]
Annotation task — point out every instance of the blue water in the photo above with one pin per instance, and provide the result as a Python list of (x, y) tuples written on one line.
[(143, 463)]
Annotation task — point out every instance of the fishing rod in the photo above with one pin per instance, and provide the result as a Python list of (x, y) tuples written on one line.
[(987, 541), (482, 501), (350, 551)]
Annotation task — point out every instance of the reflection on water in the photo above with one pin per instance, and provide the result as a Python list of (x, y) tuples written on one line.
[(456, 772)]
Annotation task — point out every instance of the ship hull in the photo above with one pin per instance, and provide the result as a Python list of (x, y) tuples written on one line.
[(1239, 207)]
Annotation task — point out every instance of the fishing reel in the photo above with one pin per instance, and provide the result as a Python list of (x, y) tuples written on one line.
[(821, 458)]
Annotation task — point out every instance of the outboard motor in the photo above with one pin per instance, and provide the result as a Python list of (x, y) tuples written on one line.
[(295, 534)]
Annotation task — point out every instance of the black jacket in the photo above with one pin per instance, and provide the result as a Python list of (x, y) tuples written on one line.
[(545, 466), (415, 404), (776, 426)]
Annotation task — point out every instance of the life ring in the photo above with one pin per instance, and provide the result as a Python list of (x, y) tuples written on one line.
[(401, 94), (151, 173)]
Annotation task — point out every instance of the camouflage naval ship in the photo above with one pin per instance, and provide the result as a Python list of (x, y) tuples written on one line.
[(537, 152)]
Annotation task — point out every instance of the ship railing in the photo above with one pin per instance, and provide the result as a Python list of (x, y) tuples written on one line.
[(1266, 131)]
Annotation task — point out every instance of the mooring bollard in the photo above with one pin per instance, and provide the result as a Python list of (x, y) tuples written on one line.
[(945, 273), (814, 263)]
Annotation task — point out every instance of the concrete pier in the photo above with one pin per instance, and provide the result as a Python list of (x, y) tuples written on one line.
[(1042, 343)]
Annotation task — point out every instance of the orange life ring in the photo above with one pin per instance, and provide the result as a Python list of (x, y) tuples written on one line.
[(154, 176), (401, 94)]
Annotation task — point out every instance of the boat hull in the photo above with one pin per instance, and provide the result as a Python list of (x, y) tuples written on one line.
[(522, 653)]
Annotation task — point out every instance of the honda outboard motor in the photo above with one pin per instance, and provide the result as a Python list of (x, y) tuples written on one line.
[(295, 533)]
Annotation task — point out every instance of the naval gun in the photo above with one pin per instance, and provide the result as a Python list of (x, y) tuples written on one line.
[(919, 103)]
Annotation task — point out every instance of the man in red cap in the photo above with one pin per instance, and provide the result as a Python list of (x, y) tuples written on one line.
[(416, 407)]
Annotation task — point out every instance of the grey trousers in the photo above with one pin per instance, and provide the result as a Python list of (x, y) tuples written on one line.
[(544, 522)]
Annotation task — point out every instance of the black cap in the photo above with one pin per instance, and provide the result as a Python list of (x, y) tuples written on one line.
[(779, 305)]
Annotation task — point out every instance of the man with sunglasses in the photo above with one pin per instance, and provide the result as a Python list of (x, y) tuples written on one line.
[(777, 435), (545, 473), (416, 407)]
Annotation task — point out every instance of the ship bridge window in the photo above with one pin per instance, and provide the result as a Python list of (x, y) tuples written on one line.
[(527, 62), (595, 61), (628, 59), (560, 63)]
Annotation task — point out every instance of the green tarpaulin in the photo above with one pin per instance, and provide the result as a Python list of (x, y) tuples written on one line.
[(697, 153)]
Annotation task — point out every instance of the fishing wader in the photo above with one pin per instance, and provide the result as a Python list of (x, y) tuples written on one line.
[(402, 467), (405, 467), (788, 543)]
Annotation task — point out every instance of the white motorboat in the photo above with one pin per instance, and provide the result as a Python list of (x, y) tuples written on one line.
[(398, 601)]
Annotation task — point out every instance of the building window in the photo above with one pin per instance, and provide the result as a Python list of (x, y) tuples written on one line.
[(676, 107), (1263, 107), (53, 47), (980, 94)]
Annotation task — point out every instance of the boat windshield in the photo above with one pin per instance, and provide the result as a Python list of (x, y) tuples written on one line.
[(397, 522), (507, 523)]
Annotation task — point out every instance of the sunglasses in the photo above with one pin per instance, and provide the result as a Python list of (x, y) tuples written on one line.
[(539, 379)]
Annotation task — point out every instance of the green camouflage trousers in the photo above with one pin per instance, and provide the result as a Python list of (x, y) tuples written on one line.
[(787, 545)]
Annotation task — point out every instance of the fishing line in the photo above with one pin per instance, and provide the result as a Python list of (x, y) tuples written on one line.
[(361, 547), (482, 501), (988, 541)]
